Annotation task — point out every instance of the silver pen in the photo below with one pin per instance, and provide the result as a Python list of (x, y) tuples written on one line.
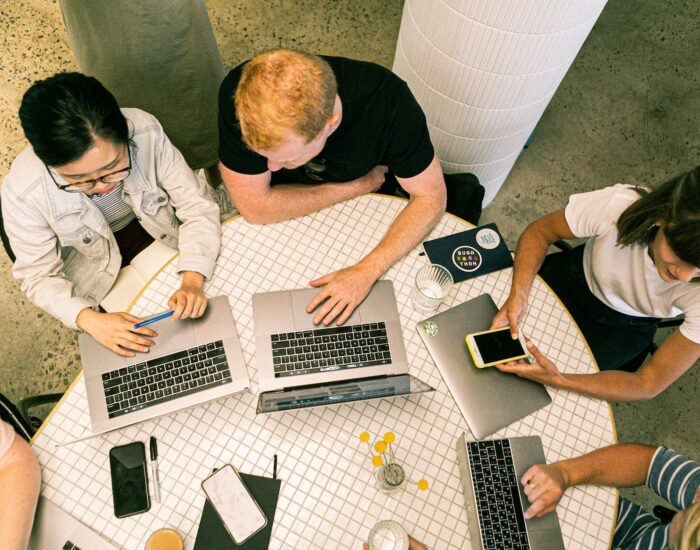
[(154, 467)]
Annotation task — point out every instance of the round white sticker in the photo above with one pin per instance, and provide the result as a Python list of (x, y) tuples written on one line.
[(487, 238)]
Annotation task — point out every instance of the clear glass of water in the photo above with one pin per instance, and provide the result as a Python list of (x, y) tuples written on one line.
[(431, 287), (388, 535)]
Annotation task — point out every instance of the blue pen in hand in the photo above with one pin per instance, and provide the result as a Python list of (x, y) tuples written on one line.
[(154, 319)]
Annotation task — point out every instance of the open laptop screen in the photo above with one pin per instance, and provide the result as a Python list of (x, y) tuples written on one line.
[(340, 392)]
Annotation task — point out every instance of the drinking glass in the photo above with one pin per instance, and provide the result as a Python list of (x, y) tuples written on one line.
[(388, 535), (432, 284), (164, 539)]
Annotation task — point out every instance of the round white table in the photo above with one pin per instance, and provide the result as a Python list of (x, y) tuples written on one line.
[(328, 497)]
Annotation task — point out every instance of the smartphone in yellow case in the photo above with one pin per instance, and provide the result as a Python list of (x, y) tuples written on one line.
[(493, 347)]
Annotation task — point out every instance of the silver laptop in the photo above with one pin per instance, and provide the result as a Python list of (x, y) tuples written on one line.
[(302, 364), (192, 361), (487, 398), (55, 529), (490, 472)]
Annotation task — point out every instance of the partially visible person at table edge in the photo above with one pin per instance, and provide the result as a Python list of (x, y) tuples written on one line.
[(670, 475), (640, 263), (20, 481), (94, 187)]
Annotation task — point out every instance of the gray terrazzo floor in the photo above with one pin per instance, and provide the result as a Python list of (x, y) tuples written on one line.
[(626, 111)]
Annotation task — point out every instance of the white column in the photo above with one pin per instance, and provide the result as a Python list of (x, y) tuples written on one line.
[(484, 72)]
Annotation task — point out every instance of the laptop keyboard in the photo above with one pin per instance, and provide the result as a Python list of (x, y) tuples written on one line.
[(329, 349), (139, 386), (501, 519)]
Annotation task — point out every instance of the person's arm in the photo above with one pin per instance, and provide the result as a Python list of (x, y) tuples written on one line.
[(675, 356), (20, 482), (39, 266), (343, 290), (529, 255), (674, 478), (261, 203), (621, 465)]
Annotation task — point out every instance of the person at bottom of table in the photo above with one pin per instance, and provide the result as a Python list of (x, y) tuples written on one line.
[(96, 186), (641, 263), (670, 475), (20, 481), (300, 132)]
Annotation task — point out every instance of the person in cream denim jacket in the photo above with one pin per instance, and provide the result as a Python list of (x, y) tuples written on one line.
[(67, 255)]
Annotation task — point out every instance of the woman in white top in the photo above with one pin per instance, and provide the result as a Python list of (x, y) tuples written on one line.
[(640, 263), (94, 187)]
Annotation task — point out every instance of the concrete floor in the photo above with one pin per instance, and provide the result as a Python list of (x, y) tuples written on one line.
[(626, 111)]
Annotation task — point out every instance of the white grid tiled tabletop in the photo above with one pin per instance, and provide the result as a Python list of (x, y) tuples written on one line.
[(328, 497)]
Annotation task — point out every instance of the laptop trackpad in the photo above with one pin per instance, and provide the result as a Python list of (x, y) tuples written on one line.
[(547, 539), (173, 336), (300, 299)]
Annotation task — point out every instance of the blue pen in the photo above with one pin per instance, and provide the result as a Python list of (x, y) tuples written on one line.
[(154, 319)]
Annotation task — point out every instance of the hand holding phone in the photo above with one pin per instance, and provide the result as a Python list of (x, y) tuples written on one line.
[(239, 512), (493, 347), (127, 464)]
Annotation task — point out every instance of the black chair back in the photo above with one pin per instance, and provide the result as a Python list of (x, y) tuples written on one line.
[(10, 414)]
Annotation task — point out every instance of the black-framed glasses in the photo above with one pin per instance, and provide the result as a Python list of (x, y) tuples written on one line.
[(82, 186)]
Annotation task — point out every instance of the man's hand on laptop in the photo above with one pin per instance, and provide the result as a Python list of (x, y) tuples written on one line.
[(342, 292), (189, 300), (544, 486), (116, 331)]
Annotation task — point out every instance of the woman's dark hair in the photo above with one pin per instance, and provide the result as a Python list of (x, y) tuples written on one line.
[(675, 205), (61, 116)]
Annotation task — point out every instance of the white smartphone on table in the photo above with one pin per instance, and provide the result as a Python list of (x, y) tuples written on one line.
[(493, 347), (238, 510)]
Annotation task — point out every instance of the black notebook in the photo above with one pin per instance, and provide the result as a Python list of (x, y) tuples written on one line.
[(212, 535), (470, 253)]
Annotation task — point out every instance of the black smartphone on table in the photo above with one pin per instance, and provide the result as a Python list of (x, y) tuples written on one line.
[(127, 464)]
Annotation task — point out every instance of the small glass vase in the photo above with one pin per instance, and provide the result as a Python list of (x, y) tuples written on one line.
[(390, 477)]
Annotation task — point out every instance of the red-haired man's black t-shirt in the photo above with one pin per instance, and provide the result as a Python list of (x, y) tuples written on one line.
[(382, 124)]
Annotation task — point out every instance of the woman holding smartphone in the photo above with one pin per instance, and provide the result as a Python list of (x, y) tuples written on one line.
[(641, 263), (96, 185)]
